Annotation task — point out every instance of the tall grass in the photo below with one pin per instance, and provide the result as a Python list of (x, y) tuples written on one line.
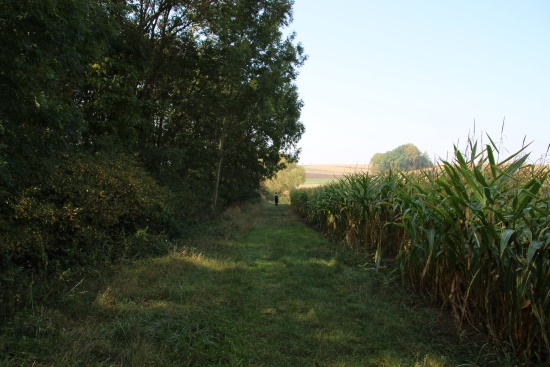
[(474, 233)]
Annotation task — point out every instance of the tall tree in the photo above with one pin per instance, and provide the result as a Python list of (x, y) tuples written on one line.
[(256, 104), (203, 91)]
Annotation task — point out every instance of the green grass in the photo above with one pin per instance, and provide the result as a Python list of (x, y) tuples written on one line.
[(319, 181), (257, 289)]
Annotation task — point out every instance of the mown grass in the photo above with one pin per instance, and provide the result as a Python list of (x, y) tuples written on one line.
[(257, 289)]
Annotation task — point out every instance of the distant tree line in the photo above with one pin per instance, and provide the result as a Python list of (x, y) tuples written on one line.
[(403, 158), (121, 120)]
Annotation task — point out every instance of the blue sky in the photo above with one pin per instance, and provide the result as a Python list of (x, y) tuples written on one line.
[(384, 73)]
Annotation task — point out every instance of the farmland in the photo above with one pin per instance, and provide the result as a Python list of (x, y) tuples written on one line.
[(320, 174), (471, 233)]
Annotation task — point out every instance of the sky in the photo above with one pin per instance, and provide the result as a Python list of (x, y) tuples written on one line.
[(384, 73)]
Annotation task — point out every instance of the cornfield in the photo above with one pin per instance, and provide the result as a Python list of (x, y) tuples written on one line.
[(473, 233)]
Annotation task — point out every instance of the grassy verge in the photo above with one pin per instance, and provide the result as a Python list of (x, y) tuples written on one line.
[(258, 289)]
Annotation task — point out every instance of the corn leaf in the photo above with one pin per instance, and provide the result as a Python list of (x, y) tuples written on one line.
[(504, 239), (533, 247)]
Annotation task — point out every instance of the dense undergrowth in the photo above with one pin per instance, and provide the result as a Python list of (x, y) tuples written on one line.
[(472, 233)]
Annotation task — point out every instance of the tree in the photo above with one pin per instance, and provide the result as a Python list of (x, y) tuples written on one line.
[(286, 179), (403, 158), (253, 104), (216, 90), (200, 92), (46, 50)]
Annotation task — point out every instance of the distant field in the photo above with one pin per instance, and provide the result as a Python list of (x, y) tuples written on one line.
[(313, 182), (310, 181), (321, 174)]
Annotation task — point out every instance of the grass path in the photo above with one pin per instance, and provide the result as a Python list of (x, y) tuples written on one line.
[(260, 289)]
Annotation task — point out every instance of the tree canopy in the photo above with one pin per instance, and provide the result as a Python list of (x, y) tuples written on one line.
[(403, 158), (197, 89)]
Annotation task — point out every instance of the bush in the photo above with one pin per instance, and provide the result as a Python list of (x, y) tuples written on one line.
[(83, 209), (88, 209)]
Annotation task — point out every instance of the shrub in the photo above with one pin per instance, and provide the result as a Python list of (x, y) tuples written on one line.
[(88, 209)]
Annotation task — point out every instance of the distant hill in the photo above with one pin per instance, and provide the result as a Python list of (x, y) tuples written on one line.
[(319, 174)]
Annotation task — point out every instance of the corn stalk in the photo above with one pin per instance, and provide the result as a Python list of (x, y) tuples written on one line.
[(474, 233)]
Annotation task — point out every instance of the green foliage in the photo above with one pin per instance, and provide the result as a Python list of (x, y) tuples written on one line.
[(214, 81), (248, 94), (81, 211), (89, 210), (286, 179), (472, 233), (403, 158), (46, 49)]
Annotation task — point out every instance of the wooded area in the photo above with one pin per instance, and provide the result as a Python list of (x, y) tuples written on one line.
[(120, 121)]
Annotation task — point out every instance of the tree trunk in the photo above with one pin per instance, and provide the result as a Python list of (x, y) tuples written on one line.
[(218, 169), (217, 183)]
